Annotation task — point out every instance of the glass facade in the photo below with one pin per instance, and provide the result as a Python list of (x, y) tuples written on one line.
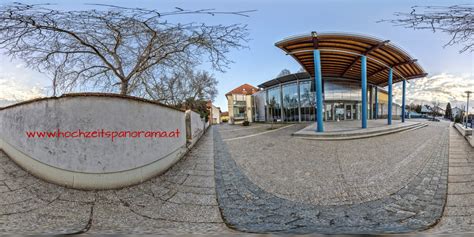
[(274, 104), (295, 101), (239, 106), (307, 100), (290, 102)]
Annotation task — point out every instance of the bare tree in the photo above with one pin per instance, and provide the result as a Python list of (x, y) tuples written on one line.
[(113, 48), (435, 109), (284, 72), (180, 86), (457, 21), (271, 107), (301, 69)]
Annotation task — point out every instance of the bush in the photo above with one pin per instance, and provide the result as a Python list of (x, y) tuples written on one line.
[(246, 123), (457, 119)]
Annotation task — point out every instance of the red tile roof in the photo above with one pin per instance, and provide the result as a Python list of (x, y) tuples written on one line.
[(225, 113), (244, 89)]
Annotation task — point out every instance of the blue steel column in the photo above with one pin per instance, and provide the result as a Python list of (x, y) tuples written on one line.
[(319, 90), (403, 100), (389, 117), (363, 61), (376, 103)]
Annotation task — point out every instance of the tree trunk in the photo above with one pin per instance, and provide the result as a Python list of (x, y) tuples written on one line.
[(124, 88)]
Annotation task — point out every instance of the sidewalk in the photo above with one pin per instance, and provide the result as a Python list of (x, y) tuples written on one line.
[(181, 201), (458, 215)]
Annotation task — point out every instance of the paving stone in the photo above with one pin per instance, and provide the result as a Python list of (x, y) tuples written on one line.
[(200, 181), (458, 214), (38, 207), (461, 188), (4, 188), (191, 198), (249, 207), (461, 171)]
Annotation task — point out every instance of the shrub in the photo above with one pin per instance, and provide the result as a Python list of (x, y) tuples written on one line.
[(457, 119), (246, 123)]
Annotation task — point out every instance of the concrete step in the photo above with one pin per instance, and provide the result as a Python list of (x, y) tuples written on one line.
[(360, 134)]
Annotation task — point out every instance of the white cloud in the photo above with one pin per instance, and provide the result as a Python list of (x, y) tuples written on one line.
[(18, 83), (10, 90), (442, 88)]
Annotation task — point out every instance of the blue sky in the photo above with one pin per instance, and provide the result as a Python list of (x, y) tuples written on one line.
[(275, 20)]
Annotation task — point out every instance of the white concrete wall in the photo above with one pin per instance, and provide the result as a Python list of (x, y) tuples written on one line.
[(198, 126), (96, 163)]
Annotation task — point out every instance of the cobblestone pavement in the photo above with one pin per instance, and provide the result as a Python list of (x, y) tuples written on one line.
[(183, 200), (333, 172), (459, 212), (250, 173)]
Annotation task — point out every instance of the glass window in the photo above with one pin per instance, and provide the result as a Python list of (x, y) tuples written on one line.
[(307, 101), (274, 104), (290, 102)]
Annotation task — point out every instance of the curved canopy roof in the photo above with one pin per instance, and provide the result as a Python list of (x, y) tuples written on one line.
[(340, 56)]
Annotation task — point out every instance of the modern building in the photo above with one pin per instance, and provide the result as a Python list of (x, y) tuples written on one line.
[(240, 103), (291, 98), (344, 80)]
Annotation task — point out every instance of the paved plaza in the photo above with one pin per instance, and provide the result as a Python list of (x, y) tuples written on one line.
[(261, 179), (181, 201)]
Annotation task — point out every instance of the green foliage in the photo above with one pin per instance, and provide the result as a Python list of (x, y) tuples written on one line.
[(457, 119), (449, 113), (198, 106)]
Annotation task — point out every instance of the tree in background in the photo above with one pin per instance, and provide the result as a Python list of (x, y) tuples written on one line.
[(179, 86), (302, 69), (418, 108), (448, 113), (198, 106), (271, 107), (284, 72), (435, 109), (456, 20), (117, 49)]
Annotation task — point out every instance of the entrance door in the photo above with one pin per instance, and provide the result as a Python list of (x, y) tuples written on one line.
[(339, 111), (348, 112)]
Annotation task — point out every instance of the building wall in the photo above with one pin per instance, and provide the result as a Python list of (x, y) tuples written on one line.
[(230, 108), (260, 106), (294, 101), (250, 108), (245, 102), (215, 115), (95, 163)]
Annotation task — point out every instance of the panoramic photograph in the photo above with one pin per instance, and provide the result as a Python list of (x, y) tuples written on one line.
[(179, 117)]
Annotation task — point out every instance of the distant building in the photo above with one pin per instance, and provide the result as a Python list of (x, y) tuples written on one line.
[(456, 112), (214, 113), (425, 109), (240, 103), (291, 98), (225, 117), (428, 110)]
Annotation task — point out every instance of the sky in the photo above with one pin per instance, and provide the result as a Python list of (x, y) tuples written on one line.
[(450, 73)]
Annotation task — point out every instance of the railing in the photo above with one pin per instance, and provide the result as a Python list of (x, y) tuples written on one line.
[(240, 103), (239, 116)]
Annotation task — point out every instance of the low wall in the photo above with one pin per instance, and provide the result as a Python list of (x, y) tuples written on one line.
[(464, 131), (155, 139), (196, 127)]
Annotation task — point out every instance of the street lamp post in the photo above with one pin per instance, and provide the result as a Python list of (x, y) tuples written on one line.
[(467, 108)]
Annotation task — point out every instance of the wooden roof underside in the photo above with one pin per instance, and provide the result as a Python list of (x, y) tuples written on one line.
[(340, 57)]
